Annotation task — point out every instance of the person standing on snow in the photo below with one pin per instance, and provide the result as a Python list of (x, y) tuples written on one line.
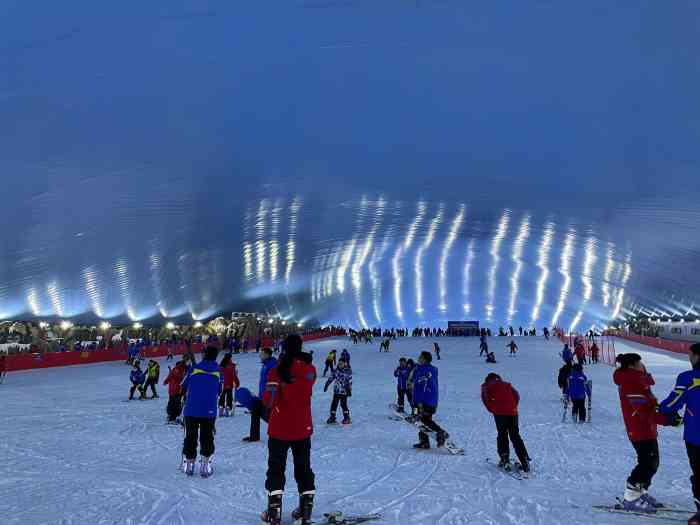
[(174, 383), (227, 397), (567, 355), (256, 407), (436, 348), (330, 362), (686, 394), (641, 419), (501, 399), (401, 374), (152, 376), (576, 391), (425, 398), (513, 347), (137, 378), (342, 390)]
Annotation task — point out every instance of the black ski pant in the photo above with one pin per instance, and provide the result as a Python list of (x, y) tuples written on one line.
[(174, 407), (329, 366), (202, 428), (277, 464), (578, 410), (426, 419), (152, 383), (226, 398), (257, 412), (403, 392), (133, 389), (694, 459), (483, 350), (507, 427), (343, 400), (647, 463)]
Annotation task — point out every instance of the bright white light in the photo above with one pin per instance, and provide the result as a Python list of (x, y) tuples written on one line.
[(260, 226), (495, 251), (198, 324), (565, 270), (516, 257), (589, 261), (291, 239), (170, 325), (248, 261), (446, 249), (138, 326), (418, 263), (344, 264), (467, 276), (66, 325), (609, 267), (55, 297), (361, 258), (543, 264), (375, 281), (300, 325), (105, 325), (43, 325), (270, 321), (33, 301), (396, 261), (625, 279), (92, 288), (274, 242)]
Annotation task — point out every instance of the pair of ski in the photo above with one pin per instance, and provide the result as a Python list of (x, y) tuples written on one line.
[(449, 445), (514, 470), (338, 518), (589, 394), (663, 513)]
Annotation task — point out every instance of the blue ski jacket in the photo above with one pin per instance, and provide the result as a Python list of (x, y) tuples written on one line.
[(203, 383), (576, 387), (425, 385), (137, 377), (267, 365), (342, 381), (686, 394), (401, 375), (567, 355)]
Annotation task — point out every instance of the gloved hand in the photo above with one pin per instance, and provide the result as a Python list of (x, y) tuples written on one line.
[(675, 419)]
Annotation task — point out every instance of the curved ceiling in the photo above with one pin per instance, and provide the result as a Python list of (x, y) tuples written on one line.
[(350, 161)]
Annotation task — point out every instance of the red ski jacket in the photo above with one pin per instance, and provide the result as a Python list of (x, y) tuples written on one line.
[(230, 377), (500, 398), (174, 380), (638, 404), (290, 403), (580, 351)]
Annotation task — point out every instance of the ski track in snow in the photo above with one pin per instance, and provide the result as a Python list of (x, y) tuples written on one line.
[(74, 453)]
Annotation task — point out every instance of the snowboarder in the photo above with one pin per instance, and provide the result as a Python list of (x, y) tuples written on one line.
[(436, 347), (513, 347), (501, 399), (685, 395), (203, 383), (288, 398), (174, 383), (226, 399), (483, 347), (401, 375), (330, 362), (257, 409), (152, 376), (641, 419), (342, 389), (490, 357), (576, 391), (425, 397), (137, 378)]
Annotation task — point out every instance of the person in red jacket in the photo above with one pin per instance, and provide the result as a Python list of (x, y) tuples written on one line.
[(580, 352), (228, 369), (639, 410), (174, 382), (501, 399), (288, 398)]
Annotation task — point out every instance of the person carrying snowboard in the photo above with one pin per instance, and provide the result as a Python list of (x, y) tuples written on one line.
[(226, 399), (425, 398), (639, 411), (342, 389), (203, 384), (687, 395), (576, 391), (174, 383), (288, 398), (401, 375), (501, 400), (137, 378)]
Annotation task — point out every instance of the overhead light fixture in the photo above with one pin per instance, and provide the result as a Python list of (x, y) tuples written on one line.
[(170, 325), (270, 321), (43, 324), (66, 325), (137, 326), (301, 325), (198, 324), (105, 325)]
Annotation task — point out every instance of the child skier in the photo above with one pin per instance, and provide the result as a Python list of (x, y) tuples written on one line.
[(436, 347), (641, 419), (483, 347), (401, 375), (174, 383), (595, 353), (513, 347), (580, 352), (137, 378), (342, 389), (501, 399), (152, 376), (330, 362), (203, 384), (226, 399), (425, 397), (576, 390), (490, 357), (256, 407)]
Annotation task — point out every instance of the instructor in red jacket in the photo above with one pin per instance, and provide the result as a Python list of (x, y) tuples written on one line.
[(501, 399), (288, 398)]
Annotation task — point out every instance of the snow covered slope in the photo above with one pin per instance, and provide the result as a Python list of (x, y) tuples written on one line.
[(72, 452)]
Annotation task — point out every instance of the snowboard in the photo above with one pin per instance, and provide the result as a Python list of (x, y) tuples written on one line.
[(514, 472), (450, 445), (661, 514), (338, 518)]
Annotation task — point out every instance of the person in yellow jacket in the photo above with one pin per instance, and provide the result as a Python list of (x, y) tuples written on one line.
[(330, 362)]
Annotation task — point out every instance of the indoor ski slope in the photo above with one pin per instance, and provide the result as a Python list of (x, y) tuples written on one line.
[(73, 452)]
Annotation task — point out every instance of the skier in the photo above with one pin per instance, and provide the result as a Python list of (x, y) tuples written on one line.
[(288, 398), (567, 355), (401, 375), (641, 419), (521, 331), (545, 331), (152, 376), (345, 355), (595, 352), (436, 347), (137, 378), (425, 397), (203, 383), (483, 347), (501, 399), (686, 395), (3, 368), (226, 399), (342, 389), (580, 352), (174, 381), (490, 357), (564, 373), (513, 347), (257, 409), (170, 356), (330, 362), (576, 391)]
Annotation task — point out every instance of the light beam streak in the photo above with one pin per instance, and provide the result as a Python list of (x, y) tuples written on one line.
[(418, 263), (446, 249), (517, 258), (565, 270), (495, 251), (400, 250), (467, 276), (543, 264)]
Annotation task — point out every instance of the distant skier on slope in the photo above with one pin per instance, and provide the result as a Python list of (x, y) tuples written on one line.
[(641, 419), (490, 357), (342, 389), (501, 399), (483, 347), (513, 347), (137, 378), (436, 348), (174, 384), (330, 362), (425, 397), (401, 374)]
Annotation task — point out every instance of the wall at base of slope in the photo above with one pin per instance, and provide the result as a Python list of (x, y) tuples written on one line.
[(678, 347)]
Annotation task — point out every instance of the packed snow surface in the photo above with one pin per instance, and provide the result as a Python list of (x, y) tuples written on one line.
[(73, 452)]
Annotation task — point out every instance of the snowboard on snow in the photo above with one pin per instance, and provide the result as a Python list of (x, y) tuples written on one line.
[(338, 518), (664, 513), (450, 445)]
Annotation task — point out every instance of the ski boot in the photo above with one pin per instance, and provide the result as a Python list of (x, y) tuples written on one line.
[(651, 500), (331, 420), (205, 467), (249, 439), (525, 467), (273, 514), (346, 418), (441, 438), (227, 413), (221, 411), (505, 463), (399, 409), (423, 441), (634, 501), (302, 514), (189, 467)]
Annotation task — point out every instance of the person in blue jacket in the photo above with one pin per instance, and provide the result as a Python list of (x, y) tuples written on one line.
[(203, 383), (425, 397), (577, 390), (687, 394), (567, 355), (137, 378), (345, 355), (401, 375), (256, 408)]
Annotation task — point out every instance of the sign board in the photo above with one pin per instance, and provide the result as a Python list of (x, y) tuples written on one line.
[(463, 328)]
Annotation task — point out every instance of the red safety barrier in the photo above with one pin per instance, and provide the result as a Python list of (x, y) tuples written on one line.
[(679, 347), (606, 346), (52, 359)]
